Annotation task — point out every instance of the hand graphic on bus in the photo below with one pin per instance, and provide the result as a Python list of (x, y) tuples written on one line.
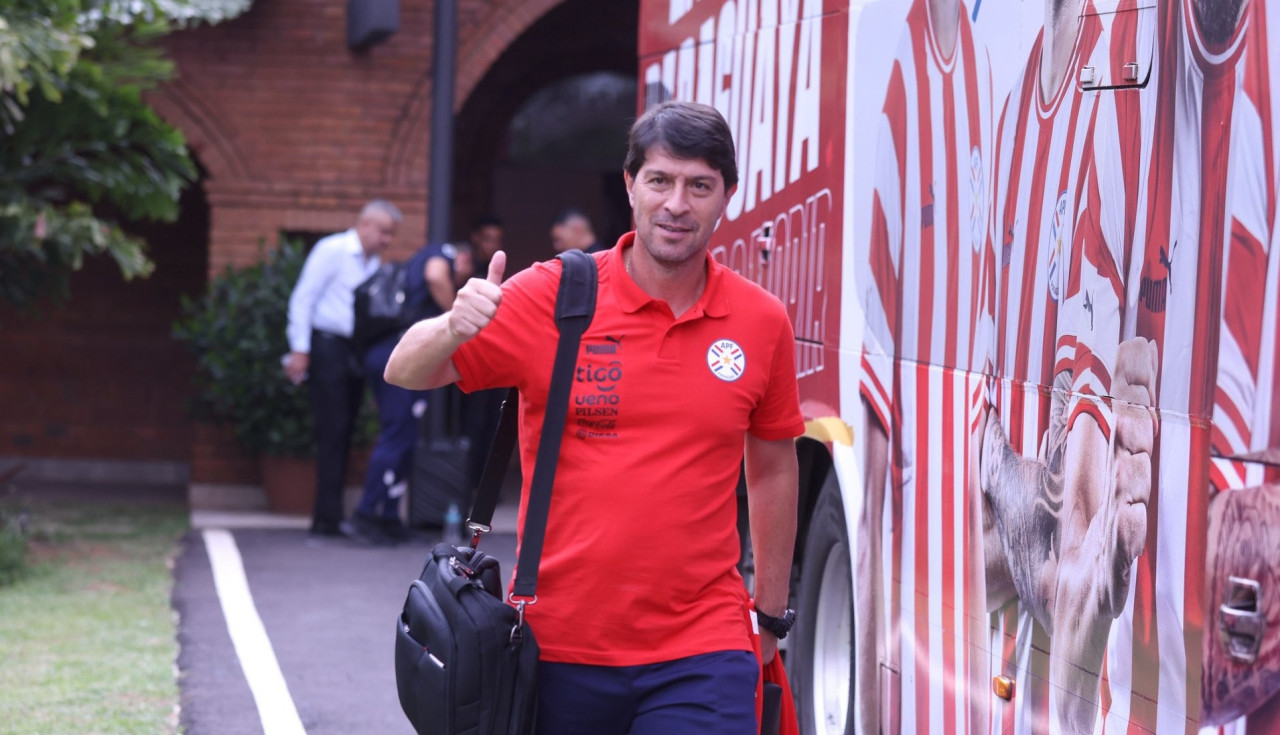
[(1070, 522)]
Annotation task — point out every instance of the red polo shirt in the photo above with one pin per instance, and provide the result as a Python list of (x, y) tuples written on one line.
[(641, 546)]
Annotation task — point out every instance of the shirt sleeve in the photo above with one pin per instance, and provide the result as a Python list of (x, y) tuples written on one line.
[(319, 269), (778, 415), (880, 269), (518, 346)]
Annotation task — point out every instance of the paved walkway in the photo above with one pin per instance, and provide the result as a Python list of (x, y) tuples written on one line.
[(281, 633), (322, 610)]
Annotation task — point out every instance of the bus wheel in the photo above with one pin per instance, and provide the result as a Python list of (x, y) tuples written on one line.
[(823, 666)]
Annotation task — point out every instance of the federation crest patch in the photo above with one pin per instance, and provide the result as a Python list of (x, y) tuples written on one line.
[(726, 360), (1059, 241)]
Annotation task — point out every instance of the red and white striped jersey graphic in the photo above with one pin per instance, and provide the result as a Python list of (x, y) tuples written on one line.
[(1209, 198), (1243, 194), (929, 208), (1067, 193), (925, 265), (1238, 244), (1041, 152)]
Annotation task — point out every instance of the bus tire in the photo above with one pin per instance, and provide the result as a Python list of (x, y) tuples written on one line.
[(822, 670)]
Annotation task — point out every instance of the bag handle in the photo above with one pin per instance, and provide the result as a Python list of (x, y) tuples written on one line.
[(575, 306)]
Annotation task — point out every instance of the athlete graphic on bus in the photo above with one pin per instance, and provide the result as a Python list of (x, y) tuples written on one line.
[(1044, 404), (927, 239)]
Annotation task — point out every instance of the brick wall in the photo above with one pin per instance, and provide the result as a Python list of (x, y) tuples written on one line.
[(294, 133), (99, 376), (297, 131)]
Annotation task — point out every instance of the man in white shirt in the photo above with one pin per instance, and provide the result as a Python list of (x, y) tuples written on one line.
[(321, 318)]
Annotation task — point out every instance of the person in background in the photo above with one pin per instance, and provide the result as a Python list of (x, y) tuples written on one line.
[(321, 318), (572, 230), (481, 409), (434, 274), (645, 502)]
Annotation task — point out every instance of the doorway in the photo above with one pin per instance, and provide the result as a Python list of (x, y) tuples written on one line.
[(546, 128)]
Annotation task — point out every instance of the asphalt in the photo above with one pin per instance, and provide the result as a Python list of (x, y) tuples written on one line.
[(328, 607)]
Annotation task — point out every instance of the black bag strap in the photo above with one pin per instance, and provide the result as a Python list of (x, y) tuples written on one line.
[(575, 306), (495, 468)]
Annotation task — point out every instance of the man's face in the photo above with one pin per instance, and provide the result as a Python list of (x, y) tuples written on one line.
[(376, 231), (677, 203), (487, 240), (569, 235)]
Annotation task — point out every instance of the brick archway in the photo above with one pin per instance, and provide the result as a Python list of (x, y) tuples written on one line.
[(552, 49), (406, 159), (208, 136)]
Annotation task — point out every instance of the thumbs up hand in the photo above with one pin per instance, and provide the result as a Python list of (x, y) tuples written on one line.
[(496, 268), (478, 301)]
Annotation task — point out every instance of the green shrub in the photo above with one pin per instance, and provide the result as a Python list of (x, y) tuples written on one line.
[(237, 334)]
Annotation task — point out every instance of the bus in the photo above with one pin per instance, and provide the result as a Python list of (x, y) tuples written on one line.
[(1031, 257)]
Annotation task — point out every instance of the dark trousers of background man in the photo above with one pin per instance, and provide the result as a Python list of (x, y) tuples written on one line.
[(336, 391), (480, 413), (392, 455)]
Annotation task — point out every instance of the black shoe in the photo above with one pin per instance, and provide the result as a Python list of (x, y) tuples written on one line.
[(394, 530), (324, 528), (365, 530)]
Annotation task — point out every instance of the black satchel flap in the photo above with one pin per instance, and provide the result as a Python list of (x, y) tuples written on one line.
[(470, 564)]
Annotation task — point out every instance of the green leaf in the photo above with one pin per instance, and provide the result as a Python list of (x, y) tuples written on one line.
[(237, 334), (79, 140)]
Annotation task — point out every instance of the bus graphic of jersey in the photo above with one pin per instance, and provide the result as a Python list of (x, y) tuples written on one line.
[(1031, 254)]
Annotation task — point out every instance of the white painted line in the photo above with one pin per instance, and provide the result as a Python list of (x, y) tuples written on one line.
[(249, 636), (202, 519)]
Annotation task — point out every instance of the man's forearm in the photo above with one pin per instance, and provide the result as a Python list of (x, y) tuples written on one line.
[(421, 359), (772, 489)]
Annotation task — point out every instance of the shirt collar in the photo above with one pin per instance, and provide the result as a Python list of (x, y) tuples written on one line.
[(355, 248), (714, 302)]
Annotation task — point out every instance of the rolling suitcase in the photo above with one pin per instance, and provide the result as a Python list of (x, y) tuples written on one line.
[(440, 476)]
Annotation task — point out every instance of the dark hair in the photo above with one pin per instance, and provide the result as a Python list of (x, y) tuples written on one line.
[(564, 215), (688, 130), (485, 220)]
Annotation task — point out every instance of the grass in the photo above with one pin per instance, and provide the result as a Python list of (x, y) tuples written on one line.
[(88, 639)]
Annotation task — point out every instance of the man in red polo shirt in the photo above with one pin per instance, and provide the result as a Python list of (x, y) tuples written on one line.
[(686, 368)]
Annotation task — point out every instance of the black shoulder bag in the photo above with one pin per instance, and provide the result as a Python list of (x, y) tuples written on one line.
[(379, 306), (465, 660)]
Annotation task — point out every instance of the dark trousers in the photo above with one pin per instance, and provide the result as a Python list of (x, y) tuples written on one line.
[(392, 457), (711, 694), (336, 390), (481, 411)]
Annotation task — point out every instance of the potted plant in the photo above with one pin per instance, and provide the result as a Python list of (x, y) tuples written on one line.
[(236, 332)]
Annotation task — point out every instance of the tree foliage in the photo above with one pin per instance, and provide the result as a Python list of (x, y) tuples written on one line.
[(83, 152)]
